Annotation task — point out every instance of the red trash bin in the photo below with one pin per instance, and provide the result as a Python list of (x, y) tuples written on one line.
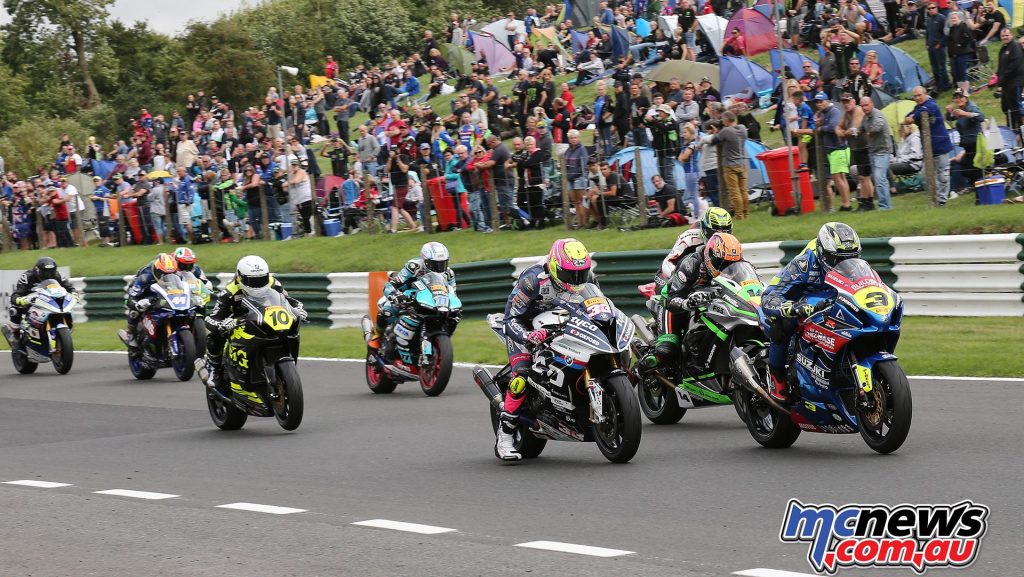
[(775, 163), (443, 204)]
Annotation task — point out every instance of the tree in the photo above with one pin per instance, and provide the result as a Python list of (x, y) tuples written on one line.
[(74, 22)]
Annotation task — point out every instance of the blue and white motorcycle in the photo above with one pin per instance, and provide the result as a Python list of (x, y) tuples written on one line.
[(45, 332)]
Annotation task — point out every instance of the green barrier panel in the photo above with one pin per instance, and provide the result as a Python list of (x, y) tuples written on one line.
[(488, 270)]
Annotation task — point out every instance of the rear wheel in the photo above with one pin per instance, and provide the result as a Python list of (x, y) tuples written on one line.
[(139, 370), (529, 446), (434, 376), (769, 427), (226, 416), (185, 363), (199, 334), (618, 437), (21, 362), (63, 355), (659, 403), (886, 425), (376, 378), (288, 405)]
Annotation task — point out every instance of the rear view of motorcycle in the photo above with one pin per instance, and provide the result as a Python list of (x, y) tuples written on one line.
[(579, 389), (44, 335)]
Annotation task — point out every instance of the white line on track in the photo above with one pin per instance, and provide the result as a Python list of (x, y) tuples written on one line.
[(402, 526), (760, 572), (256, 507), (573, 548), (40, 484), (136, 494)]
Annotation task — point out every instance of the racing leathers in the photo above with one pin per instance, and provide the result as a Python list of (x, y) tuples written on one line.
[(677, 304), (389, 306), (781, 308), (689, 242), (20, 296), (139, 297), (226, 309)]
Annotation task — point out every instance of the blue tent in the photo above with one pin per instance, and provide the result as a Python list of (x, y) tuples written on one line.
[(579, 41), (901, 72), (791, 58), (739, 74), (620, 42), (757, 175), (622, 162)]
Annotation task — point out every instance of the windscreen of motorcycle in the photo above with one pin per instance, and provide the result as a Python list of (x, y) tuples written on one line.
[(174, 291), (53, 296), (433, 292), (741, 279), (857, 281), (270, 310)]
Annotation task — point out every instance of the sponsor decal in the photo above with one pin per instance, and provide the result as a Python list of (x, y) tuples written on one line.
[(801, 263), (864, 283), (826, 339), (578, 334), (918, 537), (818, 373), (582, 323)]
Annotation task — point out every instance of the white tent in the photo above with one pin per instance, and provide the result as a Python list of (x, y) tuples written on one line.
[(714, 28), (668, 24), (497, 29)]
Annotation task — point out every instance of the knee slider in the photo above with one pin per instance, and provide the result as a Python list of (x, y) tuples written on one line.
[(517, 385)]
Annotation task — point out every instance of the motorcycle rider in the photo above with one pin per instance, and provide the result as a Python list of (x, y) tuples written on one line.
[(433, 257), (44, 269), (565, 270), (139, 293), (695, 271), (186, 260), (715, 219), (781, 302), (252, 279)]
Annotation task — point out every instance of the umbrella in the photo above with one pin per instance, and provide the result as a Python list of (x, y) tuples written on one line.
[(685, 71), (714, 28), (896, 112), (756, 28), (738, 74), (159, 174), (643, 28), (791, 58)]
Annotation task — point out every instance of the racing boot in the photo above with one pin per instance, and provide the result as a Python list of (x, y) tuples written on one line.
[(128, 336), (777, 386), (504, 444), (374, 340), (215, 366), (665, 350)]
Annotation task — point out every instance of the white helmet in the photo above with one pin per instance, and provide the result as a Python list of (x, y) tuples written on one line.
[(252, 273), (435, 257)]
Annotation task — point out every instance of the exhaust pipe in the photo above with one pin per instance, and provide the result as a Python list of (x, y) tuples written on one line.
[(486, 383), (743, 372), (367, 326), (641, 329)]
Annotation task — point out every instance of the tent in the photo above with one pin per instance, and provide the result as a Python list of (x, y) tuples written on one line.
[(895, 113), (499, 58), (668, 23), (739, 74), (579, 41), (497, 29), (459, 57), (791, 58), (756, 28), (685, 71), (714, 28), (764, 7), (901, 72), (543, 37), (620, 42), (881, 98), (623, 162), (581, 12), (757, 174), (1014, 12)]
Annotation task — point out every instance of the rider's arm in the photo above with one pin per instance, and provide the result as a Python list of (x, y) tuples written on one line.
[(24, 285), (520, 305), (66, 283), (399, 281), (688, 271), (788, 286)]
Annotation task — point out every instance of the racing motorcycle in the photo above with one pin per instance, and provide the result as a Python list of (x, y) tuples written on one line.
[(581, 391), (260, 371), (165, 332), (702, 376), (201, 296), (429, 314), (843, 376), (45, 332)]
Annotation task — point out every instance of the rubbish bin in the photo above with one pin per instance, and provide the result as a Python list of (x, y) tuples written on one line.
[(444, 204), (775, 163)]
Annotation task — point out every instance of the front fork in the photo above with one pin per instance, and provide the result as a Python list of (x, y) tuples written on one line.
[(596, 395)]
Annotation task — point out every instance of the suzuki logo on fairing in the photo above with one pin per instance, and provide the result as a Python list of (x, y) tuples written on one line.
[(818, 372)]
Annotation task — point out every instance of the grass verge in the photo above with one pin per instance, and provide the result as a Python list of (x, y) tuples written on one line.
[(928, 346)]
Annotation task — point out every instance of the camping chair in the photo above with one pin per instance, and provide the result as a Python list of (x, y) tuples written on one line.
[(979, 74), (622, 212)]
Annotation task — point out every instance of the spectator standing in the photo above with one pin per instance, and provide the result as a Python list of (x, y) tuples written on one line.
[(876, 127), (1011, 77), (689, 156), (935, 36), (99, 196), (300, 194), (330, 68), (834, 144), (709, 164), (733, 138), (533, 168), (941, 143), (961, 48), (455, 162), (850, 128), (575, 158), (479, 179), (968, 119), (367, 150), (504, 183)]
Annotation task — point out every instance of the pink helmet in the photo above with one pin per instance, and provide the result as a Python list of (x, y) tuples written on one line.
[(569, 264)]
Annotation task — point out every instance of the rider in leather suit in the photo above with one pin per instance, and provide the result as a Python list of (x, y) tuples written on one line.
[(781, 302), (139, 292), (715, 219), (44, 269), (565, 269)]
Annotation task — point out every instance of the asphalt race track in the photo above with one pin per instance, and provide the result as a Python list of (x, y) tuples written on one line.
[(336, 496)]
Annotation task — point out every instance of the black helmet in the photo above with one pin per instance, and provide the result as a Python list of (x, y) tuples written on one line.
[(46, 268), (836, 242)]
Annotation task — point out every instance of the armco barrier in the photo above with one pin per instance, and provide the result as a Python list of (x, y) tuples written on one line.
[(964, 275)]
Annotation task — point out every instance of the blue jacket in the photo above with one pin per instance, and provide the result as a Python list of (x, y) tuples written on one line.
[(941, 143), (792, 282), (970, 127), (412, 86), (184, 193), (935, 33), (829, 121)]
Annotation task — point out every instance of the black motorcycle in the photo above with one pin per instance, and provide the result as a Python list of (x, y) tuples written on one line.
[(260, 377)]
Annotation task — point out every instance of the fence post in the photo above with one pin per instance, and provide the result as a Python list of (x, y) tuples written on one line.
[(929, 160), (428, 226), (5, 230), (121, 237), (641, 198), (565, 193), (80, 216), (723, 195), (264, 214), (370, 226), (819, 158), (211, 212), (491, 189), (168, 221), (318, 224)]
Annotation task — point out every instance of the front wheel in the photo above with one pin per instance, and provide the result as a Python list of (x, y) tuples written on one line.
[(185, 363), (63, 355), (288, 405), (226, 416), (435, 375), (618, 437), (886, 425), (21, 362)]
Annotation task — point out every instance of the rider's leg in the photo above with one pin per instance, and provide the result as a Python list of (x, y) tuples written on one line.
[(504, 446), (779, 335)]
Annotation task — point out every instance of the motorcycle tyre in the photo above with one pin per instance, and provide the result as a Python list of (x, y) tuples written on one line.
[(668, 414), (376, 379), (442, 361), (67, 351), (288, 376), (21, 362), (185, 364), (627, 412), (784, 432), (138, 371), (903, 410), (226, 416)]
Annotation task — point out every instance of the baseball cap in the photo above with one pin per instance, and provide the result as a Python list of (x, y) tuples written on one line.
[(821, 96), (705, 79), (845, 96), (97, 179), (117, 176), (665, 108), (425, 146)]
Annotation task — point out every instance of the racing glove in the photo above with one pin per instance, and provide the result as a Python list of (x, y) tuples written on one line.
[(221, 325), (537, 337), (799, 310), (697, 300), (23, 301), (300, 313), (142, 304)]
